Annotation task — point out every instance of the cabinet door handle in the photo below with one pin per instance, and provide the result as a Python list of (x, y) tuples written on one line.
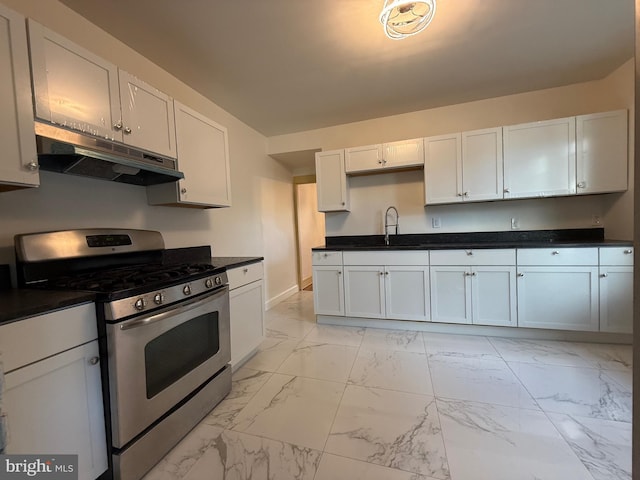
[(339, 272), (473, 274), (380, 161), (582, 185), (127, 130), (628, 252), (521, 274), (381, 273), (94, 360), (117, 126), (386, 273), (469, 253), (32, 166), (506, 190), (183, 190), (459, 194), (604, 275), (466, 194), (245, 270), (343, 204)]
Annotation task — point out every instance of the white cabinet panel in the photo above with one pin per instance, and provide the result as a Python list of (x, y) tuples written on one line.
[(245, 274), (557, 256), (147, 116), (540, 159), (616, 299), (622, 256), (19, 162), (328, 290), (246, 307), (363, 159), (493, 296), (443, 169), (479, 256), (203, 157), (450, 294), (406, 153), (482, 165), (331, 181), (364, 291), (326, 258), (376, 257), (72, 86), (601, 149), (563, 298), (407, 292)]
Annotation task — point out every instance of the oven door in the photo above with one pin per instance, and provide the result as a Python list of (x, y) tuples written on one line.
[(157, 360)]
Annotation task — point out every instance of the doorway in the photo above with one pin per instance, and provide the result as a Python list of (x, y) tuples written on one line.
[(310, 230)]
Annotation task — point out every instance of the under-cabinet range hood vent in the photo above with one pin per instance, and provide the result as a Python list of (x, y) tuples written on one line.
[(65, 151)]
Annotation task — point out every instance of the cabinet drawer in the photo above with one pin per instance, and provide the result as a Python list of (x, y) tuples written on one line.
[(616, 256), (557, 256), (244, 274), (506, 256), (327, 258), (27, 341), (374, 257)]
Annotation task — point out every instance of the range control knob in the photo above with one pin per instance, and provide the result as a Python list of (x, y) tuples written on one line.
[(186, 290), (140, 304), (158, 298), (218, 281), (208, 283)]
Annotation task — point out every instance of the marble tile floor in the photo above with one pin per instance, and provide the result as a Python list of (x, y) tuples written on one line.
[(342, 403)]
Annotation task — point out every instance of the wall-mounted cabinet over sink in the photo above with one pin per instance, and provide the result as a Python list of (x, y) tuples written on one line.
[(19, 162), (332, 184)]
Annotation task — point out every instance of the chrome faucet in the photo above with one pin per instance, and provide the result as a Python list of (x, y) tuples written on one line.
[(387, 224)]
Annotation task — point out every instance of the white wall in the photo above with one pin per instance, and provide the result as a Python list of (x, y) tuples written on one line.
[(371, 195), (73, 202)]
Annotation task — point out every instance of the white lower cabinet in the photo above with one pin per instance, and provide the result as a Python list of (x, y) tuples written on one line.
[(328, 290), (616, 289), (246, 306), (480, 292), (393, 285), (53, 403)]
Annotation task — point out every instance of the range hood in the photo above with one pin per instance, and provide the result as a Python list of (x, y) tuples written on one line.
[(66, 151)]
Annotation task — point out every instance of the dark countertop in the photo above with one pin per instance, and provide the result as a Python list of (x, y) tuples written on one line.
[(582, 237), (20, 303), (234, 262)]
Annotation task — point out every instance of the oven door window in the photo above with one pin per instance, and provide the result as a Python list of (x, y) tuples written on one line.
[(176, 352)]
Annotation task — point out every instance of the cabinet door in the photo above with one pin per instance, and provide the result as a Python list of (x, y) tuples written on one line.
[(147, 116), (364, 291), (443, 169), (540, 159), (363, 159), (72, 86), (601, 149), (331, 181), (19, 162), (493, 295), (328, 290), (616, 299), (407, 293), (564, 298), (450, 294), (55, 406), (246, 306), (482, 165), (407, 153)]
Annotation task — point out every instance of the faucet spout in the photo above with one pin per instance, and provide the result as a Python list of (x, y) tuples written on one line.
[(387, 224)]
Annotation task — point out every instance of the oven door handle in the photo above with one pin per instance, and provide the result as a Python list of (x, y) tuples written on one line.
[(184, 307)]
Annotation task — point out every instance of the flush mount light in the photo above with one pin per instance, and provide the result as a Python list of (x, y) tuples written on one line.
[(402, 18)]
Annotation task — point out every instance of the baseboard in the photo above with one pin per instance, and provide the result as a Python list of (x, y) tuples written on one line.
[(306, 282), (281, 297)]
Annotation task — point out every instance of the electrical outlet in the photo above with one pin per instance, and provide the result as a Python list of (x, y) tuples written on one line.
[(435, 222), (596, 220), (515, 224)]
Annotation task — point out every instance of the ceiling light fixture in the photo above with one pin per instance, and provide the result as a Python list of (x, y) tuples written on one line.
[(402, 18)]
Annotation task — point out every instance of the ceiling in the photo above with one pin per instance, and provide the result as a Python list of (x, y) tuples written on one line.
[(284, 66)]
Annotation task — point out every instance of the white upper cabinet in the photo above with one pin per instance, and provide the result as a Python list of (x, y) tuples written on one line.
[(601, 152), (19, 162), (540, 159), (331, 180), (443, 169), (203, 157), (72, 86), (81, 91), (147, 116), (406, 153), (482, 165)]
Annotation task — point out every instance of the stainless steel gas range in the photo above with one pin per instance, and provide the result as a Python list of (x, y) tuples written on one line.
[(164, 332)]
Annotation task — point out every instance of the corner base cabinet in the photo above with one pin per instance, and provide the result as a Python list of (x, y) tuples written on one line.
[(246, 306), (53, 397)]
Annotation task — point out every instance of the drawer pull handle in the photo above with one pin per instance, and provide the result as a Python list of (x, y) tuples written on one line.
[(628, 252), (245, 270), (469, 253), (555, 252)]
